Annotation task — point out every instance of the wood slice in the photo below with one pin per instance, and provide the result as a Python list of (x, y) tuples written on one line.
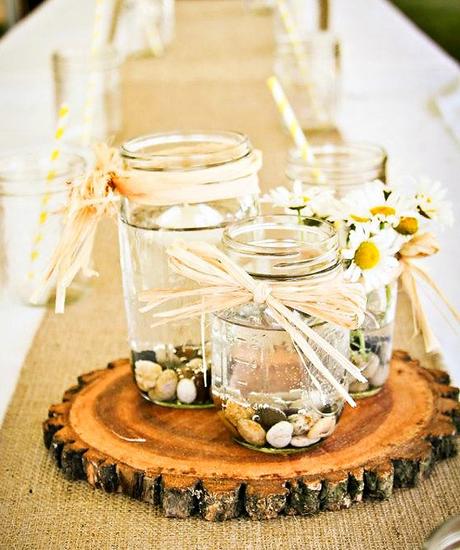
[(185, 461)]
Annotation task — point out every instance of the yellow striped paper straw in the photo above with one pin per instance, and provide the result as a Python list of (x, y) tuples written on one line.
[(293, 125), (96, 42), (290, 119), (297, 47), (63, 116)]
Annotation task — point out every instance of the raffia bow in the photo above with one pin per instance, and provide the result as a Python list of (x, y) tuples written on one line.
[(98, 195), (419, 247), (224, 284)]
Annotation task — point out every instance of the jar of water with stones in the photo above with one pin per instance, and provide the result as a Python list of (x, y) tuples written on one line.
[(261, 380), (203, 181), (345, 168)]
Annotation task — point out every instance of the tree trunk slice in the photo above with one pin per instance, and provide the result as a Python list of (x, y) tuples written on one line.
[(185, 461)]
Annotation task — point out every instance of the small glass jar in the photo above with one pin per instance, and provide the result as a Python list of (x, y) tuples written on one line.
[(145, 27), (167, 361), (31, 203), (90, 85), (311, 83), (347, 167), (260, 381)]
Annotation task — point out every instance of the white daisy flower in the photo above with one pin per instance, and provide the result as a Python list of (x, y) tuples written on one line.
[(376, 201), (308, 201), (430, 199), (372, 255)]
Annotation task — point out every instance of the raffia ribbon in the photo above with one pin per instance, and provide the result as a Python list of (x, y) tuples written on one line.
[(98, 195), (419, 247), (224, 284)]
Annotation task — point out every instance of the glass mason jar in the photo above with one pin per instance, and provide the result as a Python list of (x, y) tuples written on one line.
[(90, 85), (347, 167), (260, 381), (33, 191), (167, 361), (312, 84), (145, 27)]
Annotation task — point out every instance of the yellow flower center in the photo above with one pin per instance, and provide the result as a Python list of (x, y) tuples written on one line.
[(407, 226), (306, 199), (367, 255), (359, 219), (384, 210)]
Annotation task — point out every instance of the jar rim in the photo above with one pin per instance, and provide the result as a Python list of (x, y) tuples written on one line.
[(185, 150), (297, 255), (25, 171), (349, 158)]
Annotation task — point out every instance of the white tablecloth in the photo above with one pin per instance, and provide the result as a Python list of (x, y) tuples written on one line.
[(391, 74)]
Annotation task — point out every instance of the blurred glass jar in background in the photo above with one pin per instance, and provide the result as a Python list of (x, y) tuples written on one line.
[(348, 167), (90, 85), (168, 360), (145, 27), (31, 219), (261, 380), (311, 78)]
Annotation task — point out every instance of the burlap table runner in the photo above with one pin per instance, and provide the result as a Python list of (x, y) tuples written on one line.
[(213, 78)]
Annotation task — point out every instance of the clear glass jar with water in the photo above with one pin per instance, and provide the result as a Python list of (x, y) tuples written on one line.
[(168, 360), (261, 381), (347, 167)]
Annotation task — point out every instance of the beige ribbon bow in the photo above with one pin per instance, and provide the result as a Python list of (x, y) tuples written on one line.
[(224, 284), (97, 196), (418, 247)]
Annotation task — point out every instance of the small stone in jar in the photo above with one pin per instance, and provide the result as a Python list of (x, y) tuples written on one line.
[(301, 423), (372, 365), (146, 374), (235, 412), (268, 416), (203, 392), (251, 432), (323, 428), (358, 387), (380, 377), (165, 388), (303, 441), (195, 364), (186, 391), (280, 434)]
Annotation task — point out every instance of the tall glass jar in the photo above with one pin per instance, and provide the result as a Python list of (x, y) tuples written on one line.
[(261, 382), (311, 83), (168, 360), (33, 192), (347, 167), (90, 84)]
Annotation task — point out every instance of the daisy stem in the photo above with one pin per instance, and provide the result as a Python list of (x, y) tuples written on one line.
[(388, 296)]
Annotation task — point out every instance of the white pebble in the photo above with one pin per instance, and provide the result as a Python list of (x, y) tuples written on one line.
[(146, 374), (380, 377), (186, 391), (301, 423), (372, 366), (280, 434), (323, 428), (303, 441)]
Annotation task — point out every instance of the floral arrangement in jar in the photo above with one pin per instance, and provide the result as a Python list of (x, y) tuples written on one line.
[(383, 230)]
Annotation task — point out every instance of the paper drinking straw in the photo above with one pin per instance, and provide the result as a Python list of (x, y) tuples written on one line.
[(298, 49), (293, 125), (63, 116), (96, 43)]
